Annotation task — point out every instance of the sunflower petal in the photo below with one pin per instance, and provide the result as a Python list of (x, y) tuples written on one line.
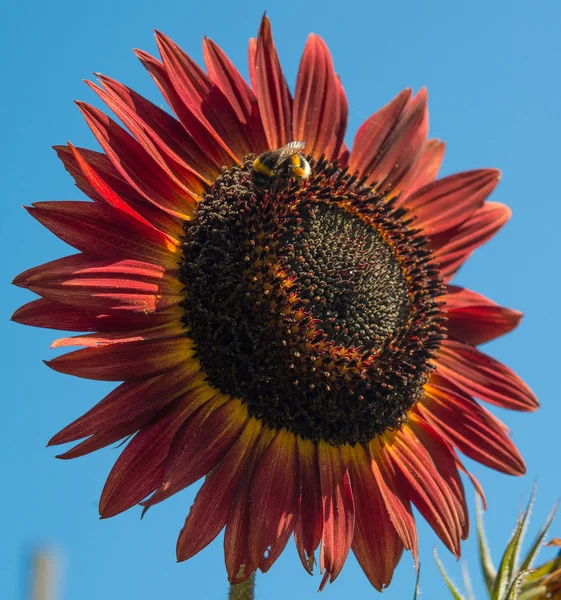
[(273, 95), (424, 170), (182, 176), (474, 319), (378, 560), (207, 141), (204, 99), (140, 468), (445, 462), (165, 131), (320, 104), (403, 147), (466, 425), (201, 444), (105, 170), (309, 527), (396, 502), (425, 487), (450, 201), (209, 513), (338, 512), (484, 377), (53, 315), (454, 246), (130, 400), (236, 538), (371, 135), (274, 498), (137, 167), (103, 286), (120, 362), (241, 97), (102, 232)]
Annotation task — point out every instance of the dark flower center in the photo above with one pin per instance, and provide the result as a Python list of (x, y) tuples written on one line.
[(314, 303)]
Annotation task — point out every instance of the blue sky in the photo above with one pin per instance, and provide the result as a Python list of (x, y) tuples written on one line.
[(492, 71)]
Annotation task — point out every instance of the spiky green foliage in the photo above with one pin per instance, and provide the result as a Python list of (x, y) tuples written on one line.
[(514, 579)]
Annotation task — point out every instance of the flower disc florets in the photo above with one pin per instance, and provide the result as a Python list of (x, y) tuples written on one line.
[(314, 303)]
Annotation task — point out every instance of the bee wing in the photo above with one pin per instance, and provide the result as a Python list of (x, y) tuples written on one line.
[(290, 149)]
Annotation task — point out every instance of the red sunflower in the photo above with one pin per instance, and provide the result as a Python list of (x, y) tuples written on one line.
[(296, 340)]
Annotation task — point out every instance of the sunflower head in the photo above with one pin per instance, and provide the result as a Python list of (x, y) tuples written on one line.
[(278, 309), (315, 304)]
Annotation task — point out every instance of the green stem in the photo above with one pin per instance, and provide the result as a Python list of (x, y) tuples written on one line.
[(244, 590)]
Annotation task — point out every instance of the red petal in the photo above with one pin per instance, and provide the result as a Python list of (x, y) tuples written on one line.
[(338, 512), (155, 332), (165, 131), (204, 99), (320, 104), (454, 246), (188, 401), (120, 362), (424, 171), (102, 232), (101, 187), (212, 147), (395, 500), (449, 202), (102, 286), (137, 167), (484, 377), (140, 468), (233, 86), (251, 62), (105, 170), (182, 176), (371, 135), (309, 527), (129, 401), (446, 463), (466, 425), (201, 444), (403, 147), (273, 95), (378, 560), (209, 512), (52, 315), (425, 487), (274, 499), (475, 319), (236, 538)]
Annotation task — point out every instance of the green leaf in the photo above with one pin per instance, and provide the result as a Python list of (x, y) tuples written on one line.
[(534, 594), (453, 589), (507, 568), (487, 566), (514, 589), (415, 597), (542, 571), (533, 552), (467, 582)]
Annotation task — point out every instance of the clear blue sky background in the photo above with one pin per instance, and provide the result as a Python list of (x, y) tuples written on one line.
[(492, 71)]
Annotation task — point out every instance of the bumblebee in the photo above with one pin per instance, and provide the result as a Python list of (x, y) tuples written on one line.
[(278, 167)]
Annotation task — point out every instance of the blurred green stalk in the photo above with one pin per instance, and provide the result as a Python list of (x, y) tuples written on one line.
[(244, 590)]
